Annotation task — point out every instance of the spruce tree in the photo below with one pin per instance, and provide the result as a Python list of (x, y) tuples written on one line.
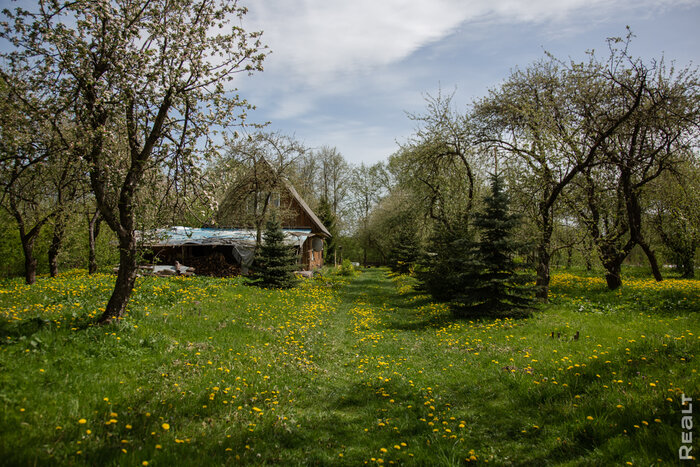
[(493, 282), (275, 262), (443, 270), (405, 252)]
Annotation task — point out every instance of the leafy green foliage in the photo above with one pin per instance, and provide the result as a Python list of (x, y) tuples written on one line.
[(275, 262), (442, 269), (480, 277), (325, 215), (347, 269), (493, 282)]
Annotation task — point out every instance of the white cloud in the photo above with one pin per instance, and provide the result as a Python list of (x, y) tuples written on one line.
[(319, 41), (344, 63)]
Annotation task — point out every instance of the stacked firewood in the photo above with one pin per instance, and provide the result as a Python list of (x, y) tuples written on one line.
[(214, 265)]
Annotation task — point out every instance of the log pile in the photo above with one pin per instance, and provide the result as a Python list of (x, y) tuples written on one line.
[(214, 265)]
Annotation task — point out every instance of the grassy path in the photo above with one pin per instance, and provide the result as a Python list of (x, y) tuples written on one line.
[(213, 371), (449, 392)]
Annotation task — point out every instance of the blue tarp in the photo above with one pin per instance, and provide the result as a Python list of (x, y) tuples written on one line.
[(242, 241), (180, 236)]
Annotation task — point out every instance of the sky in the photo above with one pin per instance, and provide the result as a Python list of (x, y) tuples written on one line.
[(345, 74)]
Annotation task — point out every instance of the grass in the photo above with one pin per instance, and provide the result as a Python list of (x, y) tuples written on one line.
[(342, 371)]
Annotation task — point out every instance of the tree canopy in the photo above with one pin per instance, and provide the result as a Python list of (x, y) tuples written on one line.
[(144, 85)]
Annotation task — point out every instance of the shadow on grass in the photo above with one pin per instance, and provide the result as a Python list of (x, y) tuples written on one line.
[(373, 289), (22, 329)]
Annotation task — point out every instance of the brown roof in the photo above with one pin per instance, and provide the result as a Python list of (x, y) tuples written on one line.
[(317, 222)]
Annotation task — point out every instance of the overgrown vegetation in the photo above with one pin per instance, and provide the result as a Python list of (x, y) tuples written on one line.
[(342, 371), (485, 278)]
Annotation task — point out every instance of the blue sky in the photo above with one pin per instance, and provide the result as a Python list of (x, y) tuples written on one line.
[(344, 73)]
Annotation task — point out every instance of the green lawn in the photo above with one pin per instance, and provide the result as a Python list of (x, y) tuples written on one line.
[(209, 371)]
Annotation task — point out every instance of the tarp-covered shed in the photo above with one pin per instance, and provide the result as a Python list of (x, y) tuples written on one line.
[(236, 245)]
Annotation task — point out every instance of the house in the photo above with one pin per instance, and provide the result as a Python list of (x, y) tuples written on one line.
[(242, 217)]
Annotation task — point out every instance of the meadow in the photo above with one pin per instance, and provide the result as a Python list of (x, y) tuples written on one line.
[(343, 371)]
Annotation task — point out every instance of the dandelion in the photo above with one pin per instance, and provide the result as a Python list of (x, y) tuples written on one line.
[(166, 426), (82, 421)]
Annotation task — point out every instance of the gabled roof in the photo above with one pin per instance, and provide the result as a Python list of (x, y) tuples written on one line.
[(314, 218), (317, 226)]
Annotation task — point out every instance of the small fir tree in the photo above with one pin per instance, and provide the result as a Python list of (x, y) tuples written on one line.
[(493, 282), (442, 272), (275, 262), (405, 252)]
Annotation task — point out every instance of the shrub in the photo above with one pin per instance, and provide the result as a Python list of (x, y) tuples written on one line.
[(347, 269)]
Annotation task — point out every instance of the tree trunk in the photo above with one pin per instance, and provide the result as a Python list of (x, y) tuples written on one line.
[(542, 268), (28, 239), (56, 241), (258, 234), (587, 256), (544, 255), (93, 233), (652, 259), (126, 279), (613, 273), (30, 262), (612, 257), (634, 215)]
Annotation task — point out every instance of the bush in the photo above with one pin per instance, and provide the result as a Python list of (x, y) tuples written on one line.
[(480, 277), (347, 269)]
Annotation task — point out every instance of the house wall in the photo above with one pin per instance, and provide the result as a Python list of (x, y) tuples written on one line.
[(311, 259), (237, 211)]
